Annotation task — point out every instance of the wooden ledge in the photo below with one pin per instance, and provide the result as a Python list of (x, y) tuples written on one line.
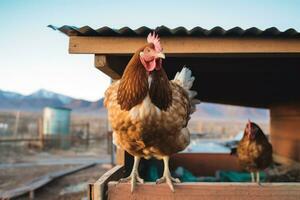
[(206, 191), (183, 45), (97, 190)]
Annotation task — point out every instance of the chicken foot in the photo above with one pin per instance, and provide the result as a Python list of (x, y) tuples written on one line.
[(255, 178), (167, 178), (258, 177), (252, 177), (134, 176)]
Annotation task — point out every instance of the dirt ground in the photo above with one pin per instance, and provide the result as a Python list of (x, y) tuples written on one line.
[(20, 164), (73, 186), (21, 153), (11, 178)]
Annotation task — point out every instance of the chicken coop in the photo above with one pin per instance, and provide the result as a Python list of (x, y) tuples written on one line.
[(252, 67)]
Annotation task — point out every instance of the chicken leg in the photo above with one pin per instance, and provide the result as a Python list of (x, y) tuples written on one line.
[(134, 176), (258, 177), (252, 177), (167, 178)]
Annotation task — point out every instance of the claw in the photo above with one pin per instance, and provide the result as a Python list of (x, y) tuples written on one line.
[(139, 179), (163, 180), (167, 178), (134, 176)]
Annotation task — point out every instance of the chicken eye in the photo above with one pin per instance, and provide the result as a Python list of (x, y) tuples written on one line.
[(147, 50)]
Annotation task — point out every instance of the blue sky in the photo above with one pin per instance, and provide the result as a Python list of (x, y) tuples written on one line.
[(33, 56)]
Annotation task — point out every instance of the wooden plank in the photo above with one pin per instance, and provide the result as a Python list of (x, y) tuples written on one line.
[(289, 148), (103, 63), (206, 191), (204, 164), (41, 181), (90, 192), (186, 45), (288, 109), (285, 129), (285, 161), (99, 188)]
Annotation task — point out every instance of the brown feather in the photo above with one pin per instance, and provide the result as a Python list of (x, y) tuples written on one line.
[(146, 130), (255, 155), (134, 83), (160, 91)]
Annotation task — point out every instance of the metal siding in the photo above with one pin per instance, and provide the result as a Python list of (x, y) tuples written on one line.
[(178, 31)]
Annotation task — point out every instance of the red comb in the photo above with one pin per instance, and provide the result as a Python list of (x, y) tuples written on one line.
[(249, 124), (153, 38)]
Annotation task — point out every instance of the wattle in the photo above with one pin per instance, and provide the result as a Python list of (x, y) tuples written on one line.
[(149, 65)]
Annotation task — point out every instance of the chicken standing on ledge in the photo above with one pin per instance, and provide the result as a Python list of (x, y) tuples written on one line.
[(148, 113), (254, 151)]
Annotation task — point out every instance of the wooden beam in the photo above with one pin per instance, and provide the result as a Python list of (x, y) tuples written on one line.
[(104, 64), (285, 129), (206, 191), (97, 191), (184, 45), (204, 164), (285, 161)]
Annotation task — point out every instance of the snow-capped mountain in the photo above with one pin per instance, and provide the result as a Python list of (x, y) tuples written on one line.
[(9, 95), (45, 94), (42, 98)]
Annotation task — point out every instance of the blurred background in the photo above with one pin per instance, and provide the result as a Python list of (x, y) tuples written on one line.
[(51, 103)]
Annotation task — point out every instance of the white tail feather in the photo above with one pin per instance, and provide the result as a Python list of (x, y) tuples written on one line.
[(186, 80)]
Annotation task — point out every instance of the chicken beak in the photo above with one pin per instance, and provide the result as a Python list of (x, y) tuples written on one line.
[(160, 55)]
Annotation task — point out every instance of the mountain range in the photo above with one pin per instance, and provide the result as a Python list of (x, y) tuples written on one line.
[(35, 102)]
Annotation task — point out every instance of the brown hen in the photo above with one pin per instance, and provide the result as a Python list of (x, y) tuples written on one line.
[(148, 113), (254, 151)]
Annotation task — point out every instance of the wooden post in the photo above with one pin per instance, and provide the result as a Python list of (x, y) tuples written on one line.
[(17, 124), (285, 129), (105, 63), (90, 191), (88, 135), (31, 194), (40, 132), (98, 190)]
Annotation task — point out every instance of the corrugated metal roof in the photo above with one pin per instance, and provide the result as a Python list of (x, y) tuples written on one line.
[(179, 31)]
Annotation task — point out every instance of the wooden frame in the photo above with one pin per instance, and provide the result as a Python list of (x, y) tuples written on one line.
[(97, 190), (111, 53), (106, 65), (206, 191), (108, 187), (184, 45), (285, 129)]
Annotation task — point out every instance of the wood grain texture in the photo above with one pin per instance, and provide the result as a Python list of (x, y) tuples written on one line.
[(103, 63), (204, 164), (187, 45), (285, 129), (206, 191), (285, 161), (217, 77), (99, 188)]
